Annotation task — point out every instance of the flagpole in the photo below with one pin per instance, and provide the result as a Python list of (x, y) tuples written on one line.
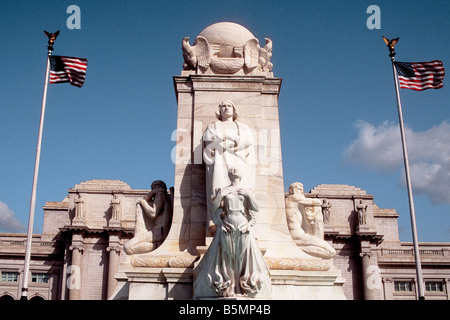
[(26, 270), (420, 283)]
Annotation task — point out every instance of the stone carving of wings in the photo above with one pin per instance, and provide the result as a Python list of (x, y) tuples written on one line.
[(203, 52), (251, 54)]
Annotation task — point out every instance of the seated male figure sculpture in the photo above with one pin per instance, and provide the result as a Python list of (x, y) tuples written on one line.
[(305, 223), (153, 220)]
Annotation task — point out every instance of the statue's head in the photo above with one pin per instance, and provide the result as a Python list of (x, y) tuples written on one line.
[(295, 187), (234, 173), (223, 106), (158, 184)]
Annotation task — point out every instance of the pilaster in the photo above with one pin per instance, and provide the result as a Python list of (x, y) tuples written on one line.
[(74, 282), (371, 279)]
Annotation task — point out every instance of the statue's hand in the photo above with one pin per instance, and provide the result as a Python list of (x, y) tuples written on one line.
[(243, 192), (217, 196), (223, 192), (229, 145), (245, 228), (226, 227), (213, 228)]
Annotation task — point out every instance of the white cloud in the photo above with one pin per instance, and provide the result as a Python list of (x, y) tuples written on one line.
[(379, 148), (8, 221)]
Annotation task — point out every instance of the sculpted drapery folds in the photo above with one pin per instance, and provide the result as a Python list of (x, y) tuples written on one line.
[(361, 208), (233, 265), (227, 143)]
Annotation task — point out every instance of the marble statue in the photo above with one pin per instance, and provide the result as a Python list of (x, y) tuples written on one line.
[(233, 265), (361, 208), (227, 143), (305, 223), (115, 207), (153, 220), (226, 48), (326, 210), (79, 207), (197, 55), (257, 57)]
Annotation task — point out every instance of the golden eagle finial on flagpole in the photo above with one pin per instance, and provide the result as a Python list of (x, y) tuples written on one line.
[(51, 39), (391, 45)]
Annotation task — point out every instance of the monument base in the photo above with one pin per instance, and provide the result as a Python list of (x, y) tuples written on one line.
[(307, 285), (140, 283)]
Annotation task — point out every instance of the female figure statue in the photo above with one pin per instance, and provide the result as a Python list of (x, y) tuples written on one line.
[(227, 143), (233, 265)]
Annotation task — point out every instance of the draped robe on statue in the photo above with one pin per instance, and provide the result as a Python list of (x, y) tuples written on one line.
[(233, 265), (224, 149)]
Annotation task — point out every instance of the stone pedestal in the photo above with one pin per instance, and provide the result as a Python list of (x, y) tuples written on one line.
[(307, 285), (142, 283)]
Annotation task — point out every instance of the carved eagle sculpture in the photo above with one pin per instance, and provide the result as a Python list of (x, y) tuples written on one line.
[(257, 57), (51, 38), (197, 55), (265, 55), (391, 45)]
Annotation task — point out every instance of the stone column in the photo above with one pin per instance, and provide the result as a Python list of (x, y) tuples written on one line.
[(388, 287), (74, 280), (114, 255), (446, 288), (20, 282), (53, 287), (370, 276)]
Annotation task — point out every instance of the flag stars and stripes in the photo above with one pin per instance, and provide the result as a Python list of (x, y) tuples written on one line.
[(420, 75), (68, 69)]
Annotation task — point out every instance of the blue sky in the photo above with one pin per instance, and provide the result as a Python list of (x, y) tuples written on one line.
[(337, 106)]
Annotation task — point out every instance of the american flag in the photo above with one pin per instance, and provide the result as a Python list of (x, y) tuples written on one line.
[(420, 75), (68, 69)]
